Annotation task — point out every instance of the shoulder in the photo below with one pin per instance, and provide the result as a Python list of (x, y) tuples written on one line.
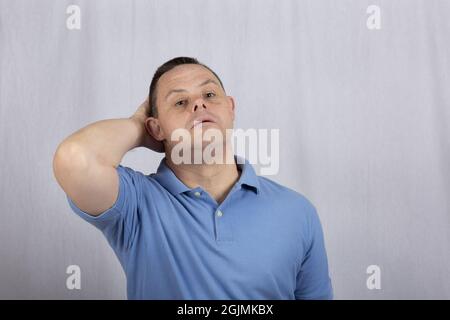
[(137, 179), (130, 175), (289, 198), (271, 188)]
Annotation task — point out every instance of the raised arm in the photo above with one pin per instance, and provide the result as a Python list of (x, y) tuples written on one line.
[(85, 163)]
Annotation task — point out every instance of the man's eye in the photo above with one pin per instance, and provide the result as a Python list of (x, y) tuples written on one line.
[(179, 103), (211, 93)]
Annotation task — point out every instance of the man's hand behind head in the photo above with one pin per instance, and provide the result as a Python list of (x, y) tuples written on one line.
[(148, 141)]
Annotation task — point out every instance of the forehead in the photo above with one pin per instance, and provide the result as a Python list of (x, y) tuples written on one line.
[(184, 76)]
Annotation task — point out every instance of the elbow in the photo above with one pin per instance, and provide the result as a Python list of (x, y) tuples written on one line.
[(68, 159)]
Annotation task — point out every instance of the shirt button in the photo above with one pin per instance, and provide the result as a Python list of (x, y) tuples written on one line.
[(219, 213), (197, 194)]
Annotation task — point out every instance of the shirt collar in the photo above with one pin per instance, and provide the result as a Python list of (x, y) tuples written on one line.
[(165, 176)]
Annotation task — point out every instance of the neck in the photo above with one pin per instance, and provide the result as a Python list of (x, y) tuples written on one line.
[(216, 179)]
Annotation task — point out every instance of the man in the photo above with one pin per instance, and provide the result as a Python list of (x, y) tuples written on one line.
[(192, 231)]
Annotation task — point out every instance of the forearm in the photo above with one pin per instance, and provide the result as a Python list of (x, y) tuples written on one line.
[(104, 142)]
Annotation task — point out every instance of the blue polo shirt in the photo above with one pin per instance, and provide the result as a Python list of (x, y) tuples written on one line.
[(264, 241)]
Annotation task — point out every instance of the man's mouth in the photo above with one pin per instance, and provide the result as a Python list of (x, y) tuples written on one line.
[(202, 121)]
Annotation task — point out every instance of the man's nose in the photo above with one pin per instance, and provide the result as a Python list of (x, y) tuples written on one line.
[(198, 104)]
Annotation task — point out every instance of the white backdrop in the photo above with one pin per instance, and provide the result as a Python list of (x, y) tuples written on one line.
[(363, 116)]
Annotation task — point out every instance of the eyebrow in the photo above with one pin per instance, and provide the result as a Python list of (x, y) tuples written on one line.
[(200, 85)]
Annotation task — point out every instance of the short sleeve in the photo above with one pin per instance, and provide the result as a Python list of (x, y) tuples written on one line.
[(119, 223), (313, 281)]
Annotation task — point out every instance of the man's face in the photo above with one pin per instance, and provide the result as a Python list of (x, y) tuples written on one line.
[(186, 95)]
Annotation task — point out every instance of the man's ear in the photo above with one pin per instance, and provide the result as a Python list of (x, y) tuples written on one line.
[(231, 103), (154, 128)]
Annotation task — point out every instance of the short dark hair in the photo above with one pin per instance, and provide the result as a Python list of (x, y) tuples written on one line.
[(167, 66)]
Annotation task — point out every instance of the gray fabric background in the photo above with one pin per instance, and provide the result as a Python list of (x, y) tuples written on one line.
[(363, 118)]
